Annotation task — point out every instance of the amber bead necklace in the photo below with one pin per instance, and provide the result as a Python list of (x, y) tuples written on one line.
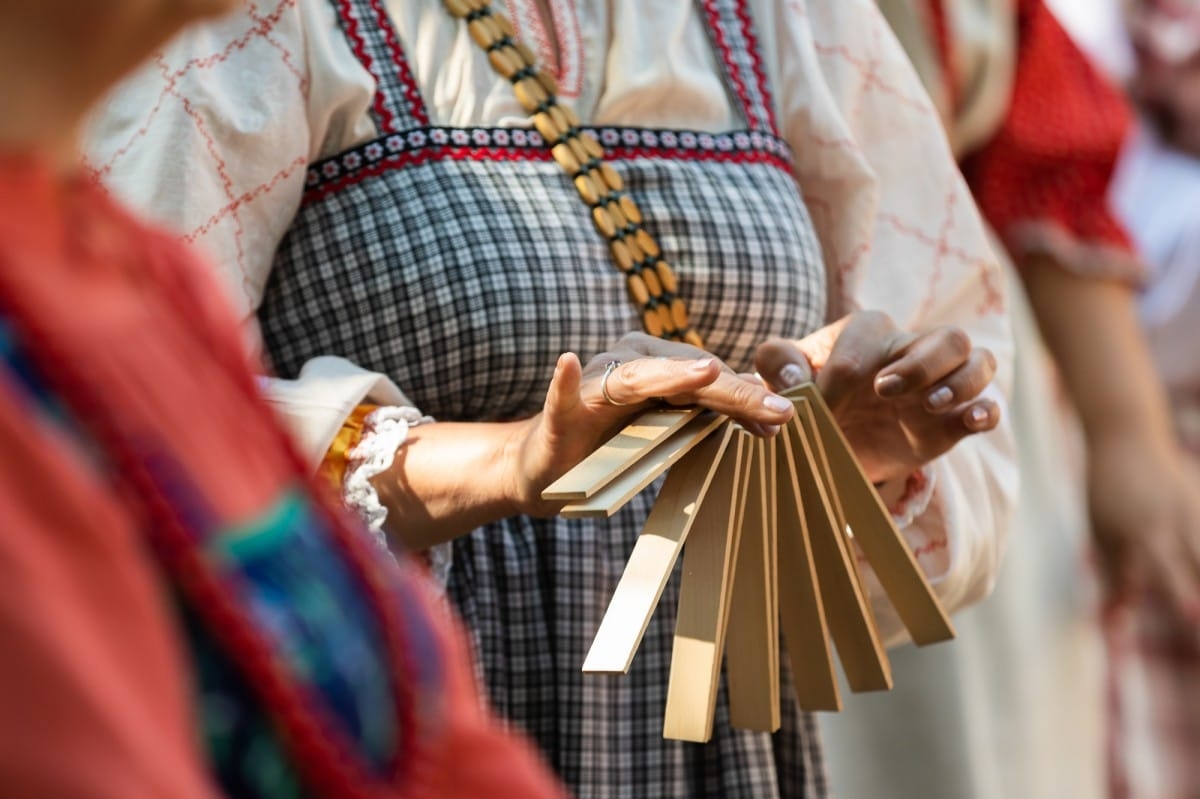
[(650, 280)]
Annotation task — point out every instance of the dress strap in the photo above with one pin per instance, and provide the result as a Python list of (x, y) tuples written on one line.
[(733, 37), (398, 104)]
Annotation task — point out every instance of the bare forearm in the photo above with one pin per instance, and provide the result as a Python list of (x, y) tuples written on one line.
[(1092, 330), (448, 479)]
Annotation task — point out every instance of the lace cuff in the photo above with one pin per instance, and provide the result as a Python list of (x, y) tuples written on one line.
[(384, 431)]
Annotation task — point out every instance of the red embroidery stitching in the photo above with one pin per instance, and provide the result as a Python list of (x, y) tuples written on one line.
[(735, 76), (756, 66), (416, 105), (359, 45)]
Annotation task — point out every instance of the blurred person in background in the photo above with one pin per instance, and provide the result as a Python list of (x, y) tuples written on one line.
[(180, 614), (1038, 132), (1153, 48)]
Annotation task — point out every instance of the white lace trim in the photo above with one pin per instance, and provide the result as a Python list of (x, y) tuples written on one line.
[(384, 431)]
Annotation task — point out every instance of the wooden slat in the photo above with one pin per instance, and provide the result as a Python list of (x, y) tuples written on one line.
[(626, 486), (876, 534), (847, 611), (704, 597), (801, 613), (753, 698), (654, 555), (771, 481), (617, 454)]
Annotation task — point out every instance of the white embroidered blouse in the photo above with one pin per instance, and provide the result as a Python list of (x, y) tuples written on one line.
[(214, 135)]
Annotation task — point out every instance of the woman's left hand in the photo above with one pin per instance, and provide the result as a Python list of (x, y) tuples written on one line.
[(901, 399)]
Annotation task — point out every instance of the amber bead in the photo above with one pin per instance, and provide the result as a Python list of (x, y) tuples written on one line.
[(504, 24), (572, 117), (621, 254), (482, 33), (666, 276), (548, 82), (679, 314), (693, 338), (635, 250), (577, 149), (653, 323), (594, 150), (459, 8), (565, 158), (647, 243), (503, 62), (560, 117), (651, 278), (612, 178), (638, 290), (614, 210), (587, 189), (527, 55), (631, 210), (603, 222), (530, 94), (664, 315), (544, 123)]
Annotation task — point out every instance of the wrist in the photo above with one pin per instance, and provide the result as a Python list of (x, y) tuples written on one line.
[(515, 495)]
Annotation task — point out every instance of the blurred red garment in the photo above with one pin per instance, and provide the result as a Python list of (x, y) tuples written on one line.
[(165, 570)]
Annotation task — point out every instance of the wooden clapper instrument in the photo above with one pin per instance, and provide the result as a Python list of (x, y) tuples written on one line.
[(751, 510)]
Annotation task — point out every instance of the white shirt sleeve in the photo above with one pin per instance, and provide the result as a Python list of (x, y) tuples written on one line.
[(901, 234)]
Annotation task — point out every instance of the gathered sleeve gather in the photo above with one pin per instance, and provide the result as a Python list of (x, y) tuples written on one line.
[(901, 234)]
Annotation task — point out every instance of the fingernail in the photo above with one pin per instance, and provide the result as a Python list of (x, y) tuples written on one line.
[(941, 397), (770, 430), (978, 416), (889, 385), (777, 403), (792, 375), (702, 364)]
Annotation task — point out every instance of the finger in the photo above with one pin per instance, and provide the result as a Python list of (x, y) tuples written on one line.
[(750, 403), (634, 346), (966, 420), (926, 360), (637, 381), (963, 384), (562, 398), (782, 364)]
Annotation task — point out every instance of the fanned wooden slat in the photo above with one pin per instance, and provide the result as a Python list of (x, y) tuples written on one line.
[(801, 614), (654, 555), (876, 534), (629, 483), (849, 615), (619, 453), (704, 597), (752, 678)]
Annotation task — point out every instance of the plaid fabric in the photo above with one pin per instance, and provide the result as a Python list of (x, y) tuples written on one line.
[(464, 281)]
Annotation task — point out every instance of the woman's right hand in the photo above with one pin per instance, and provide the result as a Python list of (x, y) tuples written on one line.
[(577, 416)]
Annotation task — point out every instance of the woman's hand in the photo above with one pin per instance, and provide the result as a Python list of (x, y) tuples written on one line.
[(1144, 500), (901, 399), (577, 417)]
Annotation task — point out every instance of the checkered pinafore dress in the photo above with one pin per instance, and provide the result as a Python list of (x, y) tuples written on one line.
[(461, 263)]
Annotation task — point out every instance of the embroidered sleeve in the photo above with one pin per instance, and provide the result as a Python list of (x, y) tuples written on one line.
[(900, 233), (1042, 180)]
